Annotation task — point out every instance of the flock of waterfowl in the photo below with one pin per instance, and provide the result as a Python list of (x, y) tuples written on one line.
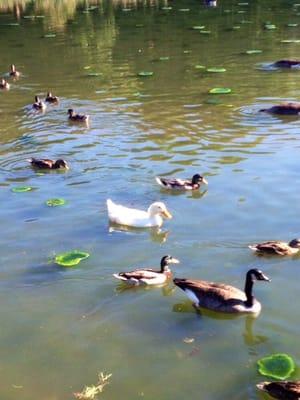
[(218, 297)]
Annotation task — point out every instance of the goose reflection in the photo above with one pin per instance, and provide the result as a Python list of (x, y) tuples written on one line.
[(156, 234)]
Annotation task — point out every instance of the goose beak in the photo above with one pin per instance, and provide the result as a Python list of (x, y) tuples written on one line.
[(204, 181), (175, 261), (165, 213)]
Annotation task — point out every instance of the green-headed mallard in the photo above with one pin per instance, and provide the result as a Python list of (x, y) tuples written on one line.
[(283, 390), (73, 116), (39, 104), (4, 84), (148, 276), (181, 184), (277, 247), (44, 163), (221, 297), (137, 218)]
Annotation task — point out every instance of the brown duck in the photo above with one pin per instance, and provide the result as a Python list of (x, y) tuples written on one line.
[(284, 390), (221, 297), (277, 247), (288, 108), (51, 99), (4, 84), (181, 184), (13, 72), (39, 104), (73, 116), (44, 163), (287, 64)]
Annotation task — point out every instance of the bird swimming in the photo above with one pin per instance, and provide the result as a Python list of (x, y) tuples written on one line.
[(181, 184), (77, 117), (288, 108), (39, 104), (44, 163), (277, 247)]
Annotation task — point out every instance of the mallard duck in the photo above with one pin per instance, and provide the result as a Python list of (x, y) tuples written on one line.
[(289, 108), (4, 84), (180, 184), (51, 99), (73, 116), (13, 71), (287, 64), (221, 297), (138, 218), (277, 247), (283, 390), (44, 163), (148, 276), (39, 104)]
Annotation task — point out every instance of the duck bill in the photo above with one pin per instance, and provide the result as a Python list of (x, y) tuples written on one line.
[(204, 181), (175, 261), (166, 214)]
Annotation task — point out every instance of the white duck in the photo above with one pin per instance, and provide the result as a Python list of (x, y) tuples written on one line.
[(138, 218)]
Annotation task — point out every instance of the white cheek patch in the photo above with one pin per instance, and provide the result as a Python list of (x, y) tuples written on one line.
[(191, 295)]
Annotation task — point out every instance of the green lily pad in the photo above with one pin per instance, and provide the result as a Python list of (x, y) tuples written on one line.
[(199, 66), (55, 202), (278, 366), (50, 35), (93, 74), (243, 4), (205, 32), (145, 73), (21, 189), (164, 58), (290, 41), (270, 27), (166, 8), (254, 51), (70, 258), (290, 25), (11, 24), (220, 90), (198, 27), (139, 25), (184, 9), (236, 27), (28, 16), (187, 51), (216, 70)]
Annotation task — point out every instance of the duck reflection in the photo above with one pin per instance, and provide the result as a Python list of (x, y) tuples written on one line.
[(156, 234)]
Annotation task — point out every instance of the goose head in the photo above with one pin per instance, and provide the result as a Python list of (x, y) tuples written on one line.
[(159, 208), (166, 261), (258, 275), (295, 243)]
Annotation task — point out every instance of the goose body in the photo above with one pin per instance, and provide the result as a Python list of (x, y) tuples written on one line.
[(39, 104), (13, 72), (4, 84), (182, 184), (137, 218), (148, 276), (277, 247), (222, 297), (73, 116), (285, 63), (288, 108), (283, 390), (44, 163), (51, 99)]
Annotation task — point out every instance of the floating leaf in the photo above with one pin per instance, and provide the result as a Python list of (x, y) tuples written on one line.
[(21, 189), (198, 66), (55, 202), (93, 74), (11, 24), (205, 32), (254, 51), (126, 9), (164, 58), (290, 41), (198, 27), (187, 51), (270, 27), (50, 35), (220, 90), (216, 70), (71, 258), (278, 366), (236, 27), (29, 16), (139, 25), (145, 73), (243, 4), (292, 25), (166, 8), (184, 9)]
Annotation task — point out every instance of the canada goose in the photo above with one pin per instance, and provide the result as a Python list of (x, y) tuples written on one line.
[(180, 184), (147, 276), (283, 390), (277, 247), (288, 108), (222, 297), (44, 163), (138, 218)]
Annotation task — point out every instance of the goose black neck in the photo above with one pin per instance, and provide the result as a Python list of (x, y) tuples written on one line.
[(248, 289), (163, 264)]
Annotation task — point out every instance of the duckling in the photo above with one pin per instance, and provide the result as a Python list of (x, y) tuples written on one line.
[(277, 247), (283, 390), (77, 117), (39, 104), (289, 108), (13, 72), (147, 276), (51, 99), (221, 297), (180, 184), (287, 64), (44, 163), (121, 215), (4, 84)]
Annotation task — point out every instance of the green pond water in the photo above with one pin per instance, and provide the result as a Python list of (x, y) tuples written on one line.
[(61, 326)]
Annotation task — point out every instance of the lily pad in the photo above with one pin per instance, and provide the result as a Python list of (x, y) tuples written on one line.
[(270, 27), (55, 202), (198, 27), (145, 73), (278, 366), (164, 58), (198, 66), (220, 90), (216, 70), (71, 258), (290, 41), (50, 35), (93, 74), (184, 9), (290, 25), (139, 25), (21, 189), (205, 32), (254, 51), (166, 8), (236, 27)]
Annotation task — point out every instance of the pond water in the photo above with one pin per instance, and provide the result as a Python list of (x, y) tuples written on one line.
[(61, 326)]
